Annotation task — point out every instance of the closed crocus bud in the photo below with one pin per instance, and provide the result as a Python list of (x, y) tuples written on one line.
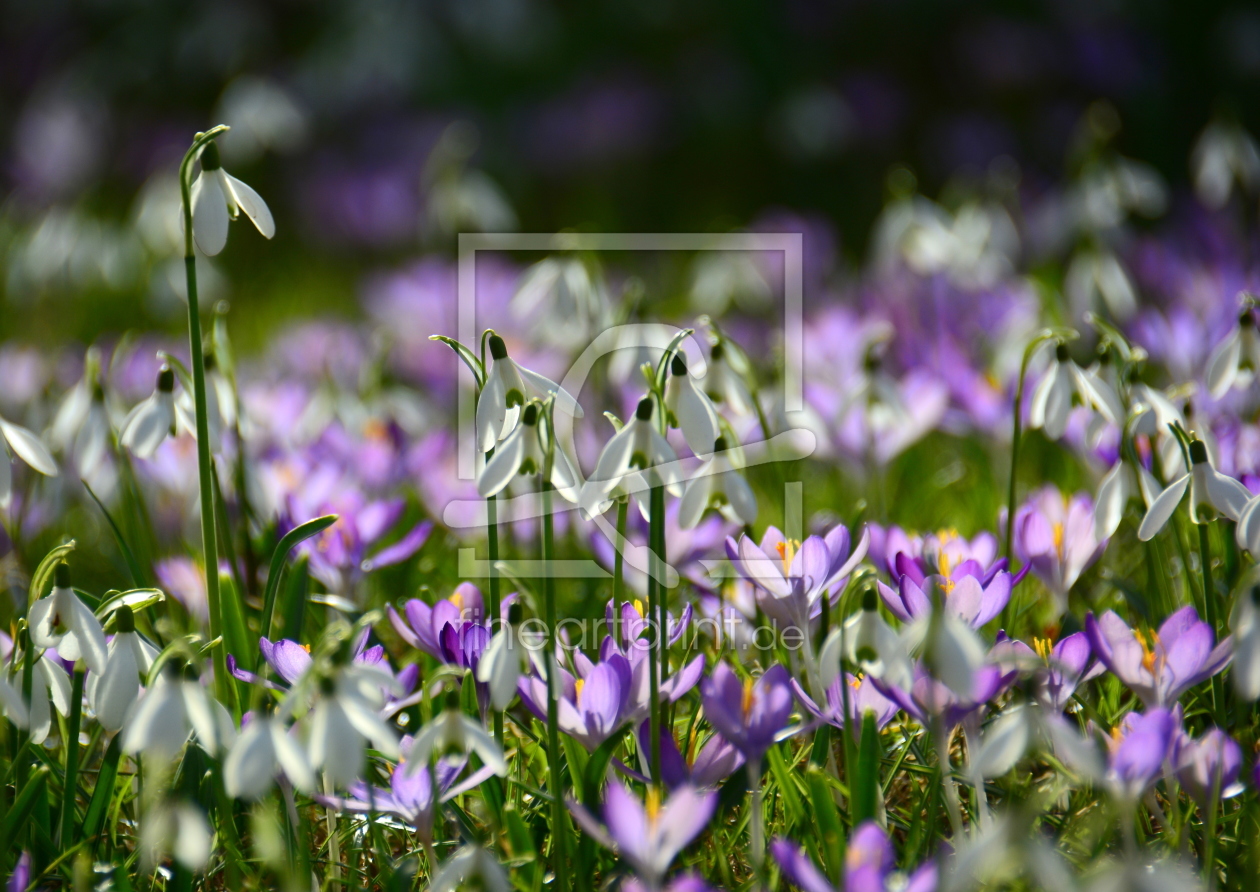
[(217, 196), (153, 420)]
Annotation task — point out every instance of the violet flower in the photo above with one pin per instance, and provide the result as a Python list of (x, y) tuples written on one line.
[(792, 577), (929, 699), (717, 760), (1141, 749), (649, 835), (1159, 666), (868, 865), (1209, 767), (422, 626), (1056, 669), (1055, 536), (749, 714), (973, 593), (290, 660), (863, 697)]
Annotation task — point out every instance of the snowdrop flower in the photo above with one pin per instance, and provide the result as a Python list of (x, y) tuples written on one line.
[(689, 407), (1234, 361), (472, 867), (870, 643), (1212, 494), (951, 649), (504, 661), (725, 385), (12, 705), (1245, 624), (717, 484), (452, 731), (48, 680), (179, 828), (1225, 153), (571, 301), (264, 749), (507, 387), (1063, 380), (175, 706), (345, 717), (637, 445), (523, 452), (1096, 277), (1121, 485), (19, 441), (186, 410), (216, 196), (82, 423), (153, 420), (62, 621), (112, 691)]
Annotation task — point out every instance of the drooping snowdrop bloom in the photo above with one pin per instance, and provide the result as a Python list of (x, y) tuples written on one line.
[(689, 408), (1063, 381), (19, 441), (508, 386), (637, 447), (719, 485), (11, 704), (1055, 536), (1159, 665), (129, 658), (153, 420), (186, 417), (1096, 278), (175, 706), (1244, 623), (48, 682), (648, 835), (265, 749), (1224, 154), (472, 867), (344, 718), (1234, 361), (872, 644), (523, 451), (504, 661), (217, 196), (452, 731), (81, 424), (1121, 485), (180, 828), (62, 621), (1212, 494), (724, 384)]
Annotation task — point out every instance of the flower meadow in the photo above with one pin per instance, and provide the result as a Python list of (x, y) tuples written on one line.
[(944, 580)]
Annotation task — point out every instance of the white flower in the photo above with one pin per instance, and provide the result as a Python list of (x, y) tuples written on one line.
[(638, 445), (62, 621), (1247, 533), (1245, 626), (12, 705), (1004, 742), (717, 484), (725, 385), (48, 679), (113, 691), (507, 387), (186, 415), (689, 408), (153, 420), (501, 665), (452, 731), (871, 644), (19, 441), (180, 828), (566, 303), (1211, 494), (82, 424), (175, 706), (472, 867), (951, 648), (344, 717), (1096, 277), (217, 195), (1063, 380), (1234, 361), (1224, 153), (1120, 486), (263, 750), (522, 452)]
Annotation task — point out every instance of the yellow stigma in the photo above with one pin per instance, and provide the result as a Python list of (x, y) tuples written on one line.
[(653, 805), (787, 552), (458, 600), (857, 681), (577, 686), (1149, 656), (638, 607), (1042, 646), (306, 647), (746, 704), (947, 584), (375, 429), (1058, 540)]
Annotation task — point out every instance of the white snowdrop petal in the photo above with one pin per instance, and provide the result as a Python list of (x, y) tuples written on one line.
[(118, 687), (695, 498), (740, 496), (1113, 496), (1223, 364), (210, 214), (504, 465), (1247, 533), (491, 411), (29, 448), (253, 205), (291, 758), (250, 765), (1162, 508), (1227, 495)]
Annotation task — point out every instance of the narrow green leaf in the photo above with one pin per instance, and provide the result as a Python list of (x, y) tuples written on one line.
[(22, 808), (792, 804), (137, 599), (98, 805), (138, 577), (297, 587), (469, 358), (827, 820), (597, 768), (865, 782), (235, 635), (298, 534)]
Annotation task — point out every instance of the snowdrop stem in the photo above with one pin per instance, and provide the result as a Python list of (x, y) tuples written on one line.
[(619, 588), (559, 836), (72, 759), (1017, 431), (656, 533), (1210, 614), (658, 633), (492, 544), (334, 845), (757, 821), (948, 782)]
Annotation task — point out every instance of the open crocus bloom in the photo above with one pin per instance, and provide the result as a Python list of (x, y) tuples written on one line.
[(863, 697), (1160, 665), (968, 590), (794, 576), (748, 713), (928, 698), (1055, 536), (868, 865), (1056, 668), (1141, 749), (717, 760), (1209, 767)]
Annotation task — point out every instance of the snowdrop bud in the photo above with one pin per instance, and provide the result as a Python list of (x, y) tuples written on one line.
[(498, 349), (516, 613), (124, 620), (644, 410)]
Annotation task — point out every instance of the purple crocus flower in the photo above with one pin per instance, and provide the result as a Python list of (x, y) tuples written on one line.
[(1141, 749), (1159, 666), (974, 593), (928, 698), (1057, 669), (792, 577), (868, 865), (748, 713), (928, 550), (717, 760), (1210, 766), (688, 882), (649, 835), (290, 660), (864, 697), (20, 879), (602, 697), (634, 624), (422, 626), (1055, 536)]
